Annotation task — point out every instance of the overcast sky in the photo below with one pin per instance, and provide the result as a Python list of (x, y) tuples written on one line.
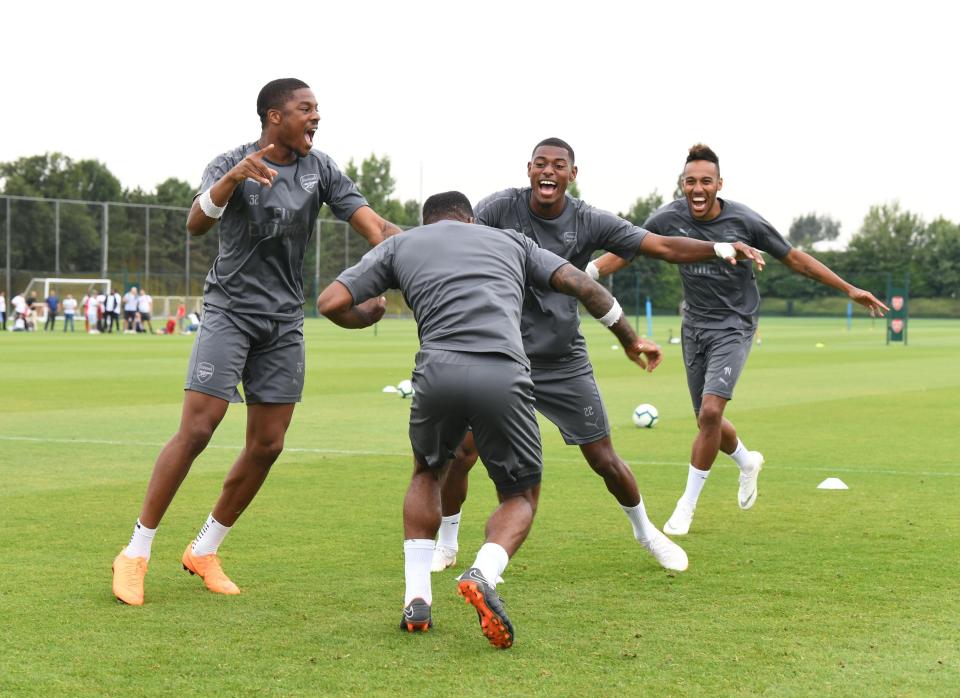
[(812, 106)]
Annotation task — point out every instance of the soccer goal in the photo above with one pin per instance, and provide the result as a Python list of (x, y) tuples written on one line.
[(166, 306), (78, 288)]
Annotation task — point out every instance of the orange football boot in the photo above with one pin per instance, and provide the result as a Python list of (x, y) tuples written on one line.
[(128, 574), (208, 568)]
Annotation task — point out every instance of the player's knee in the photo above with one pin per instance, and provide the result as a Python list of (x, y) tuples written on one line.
[(196, 436), (710, 416), (266, 451), (606, 463)]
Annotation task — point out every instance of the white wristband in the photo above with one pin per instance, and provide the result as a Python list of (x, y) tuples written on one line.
[(614, 314), (210, 209), (724, 250), (592, 271)]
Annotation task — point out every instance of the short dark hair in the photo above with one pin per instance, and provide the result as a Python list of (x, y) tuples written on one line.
[(699, 151), (448, 205), (556, 143), (275, 94)]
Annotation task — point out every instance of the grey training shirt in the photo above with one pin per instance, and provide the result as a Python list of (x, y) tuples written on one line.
[(464, 282), (551, 321), (265, 230), (716, 294)]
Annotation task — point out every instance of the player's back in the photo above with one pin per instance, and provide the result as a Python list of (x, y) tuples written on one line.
[(465, 284)]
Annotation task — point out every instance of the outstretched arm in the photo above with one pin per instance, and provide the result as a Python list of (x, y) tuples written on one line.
[(336, 304), (200, 220), (374, 228), (603, 306), (802, 263), (678, 250)]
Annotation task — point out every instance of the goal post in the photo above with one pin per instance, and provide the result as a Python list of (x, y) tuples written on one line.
[(78, 288)]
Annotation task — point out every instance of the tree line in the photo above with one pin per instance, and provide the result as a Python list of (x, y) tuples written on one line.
[(890, 240)]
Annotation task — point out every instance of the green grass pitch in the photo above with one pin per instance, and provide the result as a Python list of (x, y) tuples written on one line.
[(811, 592)]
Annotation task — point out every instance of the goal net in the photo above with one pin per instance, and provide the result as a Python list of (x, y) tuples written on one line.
[(78, 288)]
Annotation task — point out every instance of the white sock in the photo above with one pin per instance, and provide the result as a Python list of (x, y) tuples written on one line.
[(417, 556), (740, 455), (449, 530), (695, 482), (491, 560), (140, 541), (643, 528), (210, 537)]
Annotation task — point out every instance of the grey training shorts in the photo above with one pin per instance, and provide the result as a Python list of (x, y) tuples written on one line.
[(491, 393), (714, 360), (265, 354), (571, 402)]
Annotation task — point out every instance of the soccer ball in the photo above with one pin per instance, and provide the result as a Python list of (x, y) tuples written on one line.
[(405, 389), (646, 416)]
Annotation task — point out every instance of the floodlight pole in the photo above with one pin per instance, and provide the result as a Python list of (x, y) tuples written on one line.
[(9, 287), (146, 249), (104, 240), (186, 265), (56, 237)]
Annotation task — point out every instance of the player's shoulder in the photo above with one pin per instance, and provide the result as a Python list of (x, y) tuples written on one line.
[(231, 157), (670, 211), (318, 158), (504, 197), (592, 214), (735, 209)]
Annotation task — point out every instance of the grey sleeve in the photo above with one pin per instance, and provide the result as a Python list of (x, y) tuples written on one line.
[(767, 238), (541, 264), (373, 274), (653, 223), (490, 211), (218, 167), (614, 234), (338, 191)]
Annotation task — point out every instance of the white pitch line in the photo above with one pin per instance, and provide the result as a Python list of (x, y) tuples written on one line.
[(394, 454)]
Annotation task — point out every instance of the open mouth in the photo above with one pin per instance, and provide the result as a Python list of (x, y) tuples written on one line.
[(308, 136), (547, 187), (698, 204)]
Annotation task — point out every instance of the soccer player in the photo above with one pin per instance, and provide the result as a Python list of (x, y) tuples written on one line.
[(721, 309), (266, 195), (565, 389), (465, 284)]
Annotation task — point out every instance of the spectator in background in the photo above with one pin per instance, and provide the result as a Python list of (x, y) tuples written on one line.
[(194, 323), (19, 304), (92, 310), (171, 325), (69, 309), (84, 303), (145, 308), (111, 311), (102, 311), (31, 317), (3, 311), (53, 303), (130, 307), (181, 314)]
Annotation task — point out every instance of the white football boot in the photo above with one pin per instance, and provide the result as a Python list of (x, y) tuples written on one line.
[(670, 555), (679, 522), (443, 557), (747, 494)]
